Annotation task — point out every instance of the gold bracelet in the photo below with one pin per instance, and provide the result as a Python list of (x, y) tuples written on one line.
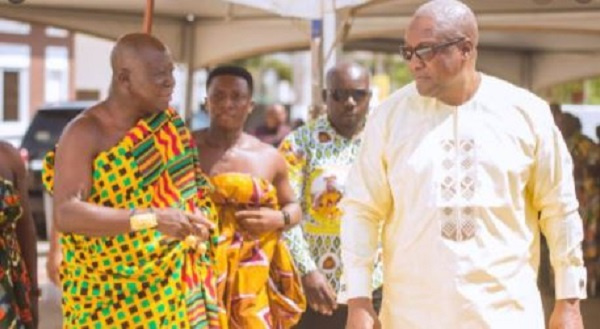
[(143, 220)]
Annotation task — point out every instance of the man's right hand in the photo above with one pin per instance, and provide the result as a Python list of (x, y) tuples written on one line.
[(362, 315), (179, 225), (319, 294)]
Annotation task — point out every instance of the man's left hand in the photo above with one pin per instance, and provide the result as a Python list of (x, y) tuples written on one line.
[(258, 221), (566, 315)]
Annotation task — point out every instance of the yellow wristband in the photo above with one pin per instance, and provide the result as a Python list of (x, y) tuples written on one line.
[(143, 221)]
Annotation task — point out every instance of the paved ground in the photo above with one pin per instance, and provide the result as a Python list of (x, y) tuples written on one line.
[(50, 316)]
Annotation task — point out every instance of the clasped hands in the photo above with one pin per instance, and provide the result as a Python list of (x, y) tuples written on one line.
[(193, 228), (257, 221)]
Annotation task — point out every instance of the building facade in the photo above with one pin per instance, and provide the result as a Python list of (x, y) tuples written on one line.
[(36, 67)]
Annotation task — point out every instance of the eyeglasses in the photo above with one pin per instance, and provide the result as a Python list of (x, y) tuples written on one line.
[(426, 52), (341, 95)]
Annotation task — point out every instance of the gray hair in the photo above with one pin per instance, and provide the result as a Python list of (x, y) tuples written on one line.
[(452, 17)]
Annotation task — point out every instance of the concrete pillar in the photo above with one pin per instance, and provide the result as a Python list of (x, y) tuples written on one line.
[(526, 79), (331, 50), (316, 56)]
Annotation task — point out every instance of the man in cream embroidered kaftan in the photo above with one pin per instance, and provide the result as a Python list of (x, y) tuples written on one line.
[(463, 243), (465, 170)]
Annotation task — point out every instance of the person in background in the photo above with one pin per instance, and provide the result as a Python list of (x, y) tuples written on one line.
[(463, 170), (319, 156), (297, 123), (586, 158), (257, 285), (275, 127), (557, 114), (19, 290)]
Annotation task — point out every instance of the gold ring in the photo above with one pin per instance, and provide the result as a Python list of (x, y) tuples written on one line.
[(191, 241)]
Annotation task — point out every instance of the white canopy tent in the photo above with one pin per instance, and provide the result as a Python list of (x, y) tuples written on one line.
[(534, 43)]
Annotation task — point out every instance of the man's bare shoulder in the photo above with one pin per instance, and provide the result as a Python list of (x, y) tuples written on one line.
[(6, 149), (251, 143), (10, 154), (266, 151), (84, 130)]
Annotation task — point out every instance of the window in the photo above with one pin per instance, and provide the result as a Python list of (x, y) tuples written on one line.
[(87, 94), (10, 96), (55, 32), (14, 90), (57, 74), (14, 27)]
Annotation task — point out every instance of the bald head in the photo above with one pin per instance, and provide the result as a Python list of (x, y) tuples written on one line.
[(275, 115), (276, 109), (347, 97), (134, 47), (142, 72), (345, 70), (452, 19)]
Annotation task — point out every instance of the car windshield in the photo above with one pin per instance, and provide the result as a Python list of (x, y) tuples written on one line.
[(45, 129)]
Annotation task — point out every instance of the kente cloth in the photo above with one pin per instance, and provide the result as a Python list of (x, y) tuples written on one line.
[(463, 193), (257, 283), (319, 160), (142, 279), (15, 284)]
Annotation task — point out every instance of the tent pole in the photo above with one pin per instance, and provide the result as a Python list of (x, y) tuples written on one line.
[(148, 16), (316, 57), (189, 38)]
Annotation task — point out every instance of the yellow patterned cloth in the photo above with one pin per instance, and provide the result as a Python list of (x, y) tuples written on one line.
[(257, 283), (142, 279)]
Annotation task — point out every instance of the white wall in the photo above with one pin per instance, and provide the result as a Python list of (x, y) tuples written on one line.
[(92, 63), (56, 74), (92, 68)]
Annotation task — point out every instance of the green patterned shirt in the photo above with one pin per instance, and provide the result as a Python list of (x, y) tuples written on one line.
[(319, 160)]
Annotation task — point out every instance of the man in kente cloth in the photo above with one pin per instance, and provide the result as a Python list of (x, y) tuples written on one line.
[(131, 204)]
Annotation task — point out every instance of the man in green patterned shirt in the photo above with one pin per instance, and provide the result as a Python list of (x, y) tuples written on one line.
[(319, 157)]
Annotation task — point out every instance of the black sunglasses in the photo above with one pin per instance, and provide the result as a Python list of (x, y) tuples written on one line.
[(426, 52), (341, 95)]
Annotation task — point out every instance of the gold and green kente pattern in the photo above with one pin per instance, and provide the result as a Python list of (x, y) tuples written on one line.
[(142, 279)]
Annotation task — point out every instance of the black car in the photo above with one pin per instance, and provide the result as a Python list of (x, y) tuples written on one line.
[(41, 136)]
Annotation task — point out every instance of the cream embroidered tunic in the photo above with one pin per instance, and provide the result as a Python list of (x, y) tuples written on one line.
[(459, 190)]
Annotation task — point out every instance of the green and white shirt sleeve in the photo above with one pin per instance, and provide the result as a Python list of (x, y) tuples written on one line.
[(295, 157)]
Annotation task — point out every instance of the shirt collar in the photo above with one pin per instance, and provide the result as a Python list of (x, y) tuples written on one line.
[(324, 124)]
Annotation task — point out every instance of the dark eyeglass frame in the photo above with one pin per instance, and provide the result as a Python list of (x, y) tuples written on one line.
[(426, 53), (342, 95)]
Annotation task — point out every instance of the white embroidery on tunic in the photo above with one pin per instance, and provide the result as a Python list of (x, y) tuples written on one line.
[(457, 188)]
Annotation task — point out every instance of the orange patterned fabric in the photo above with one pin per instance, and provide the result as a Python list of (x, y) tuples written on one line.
[(258, 284)]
